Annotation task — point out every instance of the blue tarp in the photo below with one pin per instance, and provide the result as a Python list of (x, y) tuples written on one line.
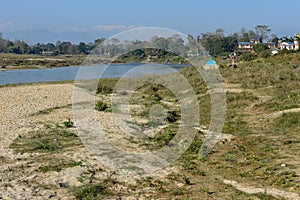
[(211, 62)]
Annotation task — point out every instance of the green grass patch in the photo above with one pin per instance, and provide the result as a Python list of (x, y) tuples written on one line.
[(68, 123), (285, 96), (101, 106), (59, 165), (89, 192), (287, 123), (275, 70), (236, 127), (52, 139)]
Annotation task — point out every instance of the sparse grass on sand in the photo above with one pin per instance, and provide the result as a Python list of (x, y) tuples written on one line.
[(262, 120)]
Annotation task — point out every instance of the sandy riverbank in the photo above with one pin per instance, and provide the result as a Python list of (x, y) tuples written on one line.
[(19, 106), (30, 109), (28, 112)]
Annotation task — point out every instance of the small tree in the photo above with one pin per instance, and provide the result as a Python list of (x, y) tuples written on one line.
[(259, 48)]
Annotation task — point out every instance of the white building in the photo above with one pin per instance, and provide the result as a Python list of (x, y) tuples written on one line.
[(288, 46), (296, 41)]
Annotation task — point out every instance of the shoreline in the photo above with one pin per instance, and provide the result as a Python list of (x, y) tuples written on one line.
[(23, 62)]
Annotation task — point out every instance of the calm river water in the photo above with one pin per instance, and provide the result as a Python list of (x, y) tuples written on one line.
[(87, 72)]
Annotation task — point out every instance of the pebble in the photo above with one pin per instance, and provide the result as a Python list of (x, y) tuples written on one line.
[(17, 104)]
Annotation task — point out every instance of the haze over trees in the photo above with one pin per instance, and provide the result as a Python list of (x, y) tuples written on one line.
[(215, 43)]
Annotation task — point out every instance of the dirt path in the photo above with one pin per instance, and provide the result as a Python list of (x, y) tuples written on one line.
[(270, 191), (262, 97), (279, 113)]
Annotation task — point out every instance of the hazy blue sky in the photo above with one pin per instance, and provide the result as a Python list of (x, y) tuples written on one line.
[(187, 16)]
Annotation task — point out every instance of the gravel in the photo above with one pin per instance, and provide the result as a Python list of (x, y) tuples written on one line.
[(21, 101)]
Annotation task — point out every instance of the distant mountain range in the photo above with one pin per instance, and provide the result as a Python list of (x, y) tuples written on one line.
[(46, 36)]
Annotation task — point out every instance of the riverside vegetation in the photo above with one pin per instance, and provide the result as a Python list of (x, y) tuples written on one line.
[(261, 149)]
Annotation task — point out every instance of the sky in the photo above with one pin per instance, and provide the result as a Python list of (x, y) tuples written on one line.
[(113, 16)]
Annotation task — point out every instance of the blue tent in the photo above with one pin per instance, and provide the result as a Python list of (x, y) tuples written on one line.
[(211, 62)]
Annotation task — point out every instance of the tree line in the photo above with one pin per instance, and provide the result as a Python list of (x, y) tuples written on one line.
[(59, 48), (216, 43)]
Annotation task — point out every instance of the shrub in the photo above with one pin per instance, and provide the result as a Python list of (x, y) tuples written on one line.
[(68, 124), (101, 106), (104, 89), (258, 48), (172, 116), (265, 54), (247, 57)]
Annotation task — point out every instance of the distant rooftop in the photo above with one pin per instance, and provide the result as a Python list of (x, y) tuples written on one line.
[(243, 43), (273, 43), (290, 43), (211, 62), (247, 43)]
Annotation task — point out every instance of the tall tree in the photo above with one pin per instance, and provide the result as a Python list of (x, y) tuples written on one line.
[(160, 42), (82, 48), (242, 32), (176, 44), (243, 35), (274, 38), (220, 32), (3, 44), (251, 35), (263, 31), (217, 45)]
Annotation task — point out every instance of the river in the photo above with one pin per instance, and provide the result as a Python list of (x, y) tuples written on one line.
[(86, 72)]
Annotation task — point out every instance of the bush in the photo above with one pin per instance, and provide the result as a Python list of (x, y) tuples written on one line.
[(258, 48), (172, 116), (104, 89), (247, 57), (101, 106), (68, 124), (265, 54)]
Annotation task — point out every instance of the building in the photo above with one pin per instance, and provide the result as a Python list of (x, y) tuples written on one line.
[(287, 46), (245, 47), (296, 41), (270, 45), (48, 53), (290, 45)]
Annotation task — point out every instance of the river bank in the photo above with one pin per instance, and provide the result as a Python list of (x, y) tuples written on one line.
[(27, 61), (43, 157), (15, 61)]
